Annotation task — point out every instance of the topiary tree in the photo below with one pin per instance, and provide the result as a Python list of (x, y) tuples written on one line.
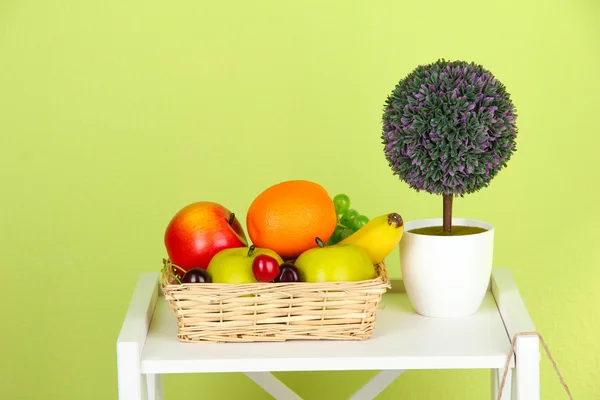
[(448, 129)]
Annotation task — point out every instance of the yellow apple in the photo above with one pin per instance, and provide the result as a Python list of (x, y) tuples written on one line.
[(234, 265), (337, 263)]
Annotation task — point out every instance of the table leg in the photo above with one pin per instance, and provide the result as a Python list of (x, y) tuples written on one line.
[(496, 380), (154, 386), (273, 386), (376, 385), (527, 370), (130, 380)]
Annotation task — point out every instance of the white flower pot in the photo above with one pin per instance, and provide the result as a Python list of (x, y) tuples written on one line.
[(446, 276)]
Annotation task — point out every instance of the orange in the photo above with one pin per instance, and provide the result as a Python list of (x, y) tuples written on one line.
[(288, 217)]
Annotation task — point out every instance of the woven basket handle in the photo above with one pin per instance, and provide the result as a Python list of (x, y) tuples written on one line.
[(168, 269)]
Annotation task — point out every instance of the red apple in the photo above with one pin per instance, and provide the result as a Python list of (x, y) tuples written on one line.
[(199, 231)]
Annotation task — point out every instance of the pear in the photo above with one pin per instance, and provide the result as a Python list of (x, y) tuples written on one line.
[(339, 263)]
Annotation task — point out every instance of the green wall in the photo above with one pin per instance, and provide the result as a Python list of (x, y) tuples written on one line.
[(115, 114)]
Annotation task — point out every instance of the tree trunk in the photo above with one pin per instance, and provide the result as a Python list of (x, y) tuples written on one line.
[(448, 213)]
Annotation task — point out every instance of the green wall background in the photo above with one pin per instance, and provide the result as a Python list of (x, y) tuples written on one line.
[(114, 115)]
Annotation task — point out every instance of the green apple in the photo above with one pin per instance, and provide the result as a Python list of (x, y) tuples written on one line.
[(339, 263), (234, 265)]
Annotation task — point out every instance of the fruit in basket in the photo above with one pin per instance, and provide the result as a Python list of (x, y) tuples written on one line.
[(234, 265), (349, 219), (288, 273), (341, 203), (265, 268), (199, 231), (345, 232), (342, 262), (196, 275), (353, 220), (359, 222), (378, 237), (287, 217), (335, 237)]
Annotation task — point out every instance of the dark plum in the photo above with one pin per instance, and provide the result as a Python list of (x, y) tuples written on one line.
[(288, 273), (196, 275)]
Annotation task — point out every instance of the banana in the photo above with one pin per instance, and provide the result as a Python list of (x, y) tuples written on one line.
[(378, 237)]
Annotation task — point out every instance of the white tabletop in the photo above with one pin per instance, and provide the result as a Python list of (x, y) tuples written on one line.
[(401, 339)]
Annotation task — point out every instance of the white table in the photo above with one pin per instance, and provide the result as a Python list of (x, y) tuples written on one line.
[(147, 346)]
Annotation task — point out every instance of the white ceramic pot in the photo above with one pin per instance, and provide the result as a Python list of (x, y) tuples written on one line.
[(446, 276)]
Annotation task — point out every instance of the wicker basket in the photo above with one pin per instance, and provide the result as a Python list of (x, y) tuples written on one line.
[(260, 312)]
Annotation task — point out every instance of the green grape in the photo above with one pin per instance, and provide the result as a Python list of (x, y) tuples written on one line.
[(345, 233), (359, 222), (335, 237), (341, 203), (348, 217)]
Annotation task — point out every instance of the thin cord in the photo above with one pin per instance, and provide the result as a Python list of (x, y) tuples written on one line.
[(512, 351)]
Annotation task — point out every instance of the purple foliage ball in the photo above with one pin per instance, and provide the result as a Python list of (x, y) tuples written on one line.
[(449, 128)]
